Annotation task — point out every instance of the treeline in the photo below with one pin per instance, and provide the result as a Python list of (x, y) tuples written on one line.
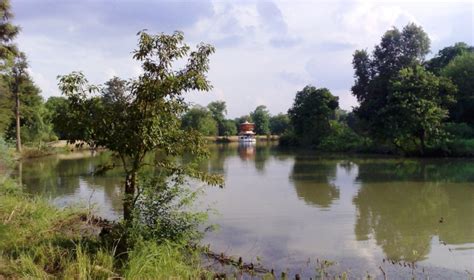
[(211, 120), (407, 104), (23, 114)]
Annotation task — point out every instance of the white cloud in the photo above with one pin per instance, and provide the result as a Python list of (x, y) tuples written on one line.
[(266, 51)]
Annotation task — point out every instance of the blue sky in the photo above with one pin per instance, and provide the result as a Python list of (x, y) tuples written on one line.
[(265, 50)]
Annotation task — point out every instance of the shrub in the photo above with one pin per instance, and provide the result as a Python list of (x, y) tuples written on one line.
[(460, 130), (163, 211)]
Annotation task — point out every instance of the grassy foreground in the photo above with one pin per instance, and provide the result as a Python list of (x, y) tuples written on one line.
[(40, 241)]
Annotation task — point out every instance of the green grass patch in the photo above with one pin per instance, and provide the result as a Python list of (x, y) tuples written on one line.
[(39, 241)]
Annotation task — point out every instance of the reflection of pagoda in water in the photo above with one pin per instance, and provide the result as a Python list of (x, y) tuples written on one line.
[(247, 150), (246, 133)]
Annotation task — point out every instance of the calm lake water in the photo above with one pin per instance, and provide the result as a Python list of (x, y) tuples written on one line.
[(289, 209)]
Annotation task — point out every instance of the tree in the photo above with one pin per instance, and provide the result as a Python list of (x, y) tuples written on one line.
[(58, 109), (6, 105), (200, 119), (279, 124), (397, 50), (8, 33), (218, 111), (446, 55), (461, 71), (9, 58), (34, 123), (416, 108), (18, 75), (229, 128), (261, 118), (149, 118), (310, 114), (115, 91)]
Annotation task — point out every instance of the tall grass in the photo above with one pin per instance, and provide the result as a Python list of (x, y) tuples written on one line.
[(39, 241), (6, 154)]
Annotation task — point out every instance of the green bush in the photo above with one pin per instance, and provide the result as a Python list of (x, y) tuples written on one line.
[(460, 130), (461, 148), (342, 139), (163, 214), (6, 153), (288, 139)]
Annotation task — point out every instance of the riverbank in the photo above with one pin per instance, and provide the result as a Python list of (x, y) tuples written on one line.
[(235, 138), (42, 242), (47, 149)]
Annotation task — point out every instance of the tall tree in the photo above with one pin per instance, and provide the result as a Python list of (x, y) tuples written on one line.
[(8, 52), (218, 111), (310, 114), (461, 71), (397, 50), (261, 118), (149, 118), (19, 75), (417, 105), (8, 33), (34, 116)]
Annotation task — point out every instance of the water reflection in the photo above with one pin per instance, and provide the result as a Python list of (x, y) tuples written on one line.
[(68, 179), (300, 203), (314, 181), (247, 151), (404, 205)]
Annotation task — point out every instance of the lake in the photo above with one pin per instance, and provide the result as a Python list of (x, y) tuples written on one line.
[(290, 210)]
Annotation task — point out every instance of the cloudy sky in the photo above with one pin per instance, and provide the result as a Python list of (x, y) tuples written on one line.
[(266, 50)]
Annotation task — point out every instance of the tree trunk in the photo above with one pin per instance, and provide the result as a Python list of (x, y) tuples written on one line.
[(128, 202), (422, 143), (17, 113)]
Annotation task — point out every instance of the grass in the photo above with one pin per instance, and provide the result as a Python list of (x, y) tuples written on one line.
[(39, 241)]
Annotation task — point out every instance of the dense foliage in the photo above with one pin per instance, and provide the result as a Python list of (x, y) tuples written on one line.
[(402, 104), (310, 114), (279, 124), (199, 118), (460, 70), (261, 117)]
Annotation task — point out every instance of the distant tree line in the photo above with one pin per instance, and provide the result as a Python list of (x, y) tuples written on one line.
[(407, 104), (211, 120)]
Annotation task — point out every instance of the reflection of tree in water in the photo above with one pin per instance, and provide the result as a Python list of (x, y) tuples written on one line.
[(312, 180), (402, 213), (112, 187), (219, 153), (217, 157), (438, 170), (261, 156), (262, 152), (55, 176)]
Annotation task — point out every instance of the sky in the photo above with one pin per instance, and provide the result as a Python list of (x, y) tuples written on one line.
[(266, 51)]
